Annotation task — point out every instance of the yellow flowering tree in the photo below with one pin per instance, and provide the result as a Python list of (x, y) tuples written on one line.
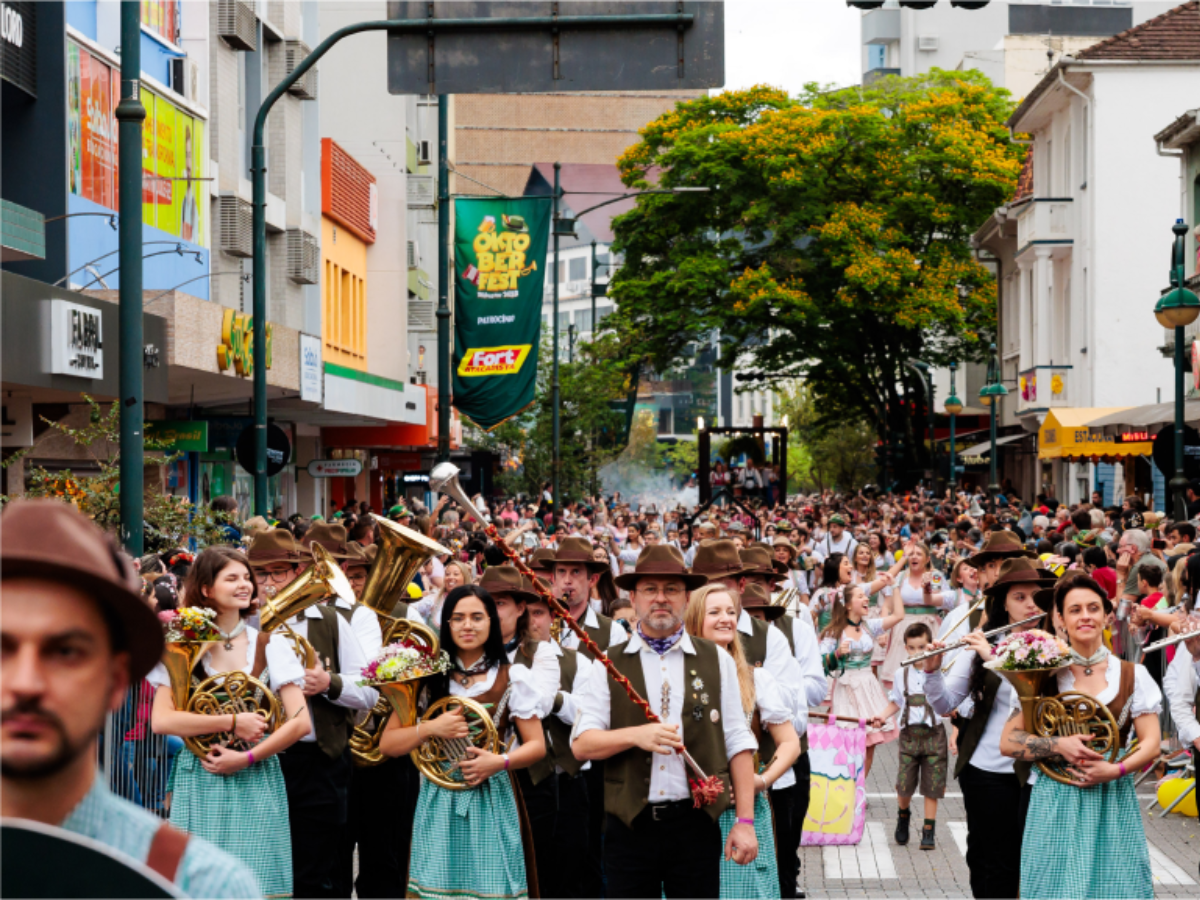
[(834, 243)]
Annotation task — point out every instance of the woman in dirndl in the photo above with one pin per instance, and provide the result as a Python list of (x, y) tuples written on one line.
[(236, 800), (923, 592), (1086, 839), (879, 590), (846, 647), (712, 613), (471, 843), (836, 573)]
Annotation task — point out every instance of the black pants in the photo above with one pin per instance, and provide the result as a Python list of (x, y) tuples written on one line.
[(383, 804), (676, 857), (788, 808), (318, 791), (996, 811), (593, 868), (558, 818)]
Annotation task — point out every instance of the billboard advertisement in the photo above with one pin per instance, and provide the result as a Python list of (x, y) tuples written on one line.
[(172, 148)]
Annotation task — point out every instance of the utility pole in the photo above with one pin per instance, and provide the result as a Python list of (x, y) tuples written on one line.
[(556, 462), (443, 310), (130, 115)]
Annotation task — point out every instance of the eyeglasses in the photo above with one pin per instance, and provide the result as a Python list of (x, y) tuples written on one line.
[(671, 592), (357, 577), (262, 576)]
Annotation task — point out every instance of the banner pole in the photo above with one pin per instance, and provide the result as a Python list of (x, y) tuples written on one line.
[(443, 310), (556, 462)]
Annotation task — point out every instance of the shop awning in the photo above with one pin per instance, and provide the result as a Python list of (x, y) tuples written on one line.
[(1070, 434), (985, 448), (1146, 418)]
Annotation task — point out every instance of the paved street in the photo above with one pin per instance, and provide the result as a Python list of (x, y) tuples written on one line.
[(878, 867)]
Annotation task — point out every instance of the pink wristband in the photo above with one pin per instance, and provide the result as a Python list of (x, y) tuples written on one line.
[(1121, 766), (506, 762), (742, 821), (250, 756)]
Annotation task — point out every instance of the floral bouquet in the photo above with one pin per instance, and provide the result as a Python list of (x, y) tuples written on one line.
[(403, 661), (1023, 651), (193, 624)]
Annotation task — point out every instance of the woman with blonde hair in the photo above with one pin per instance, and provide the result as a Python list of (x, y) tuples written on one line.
[(456, 575), (878, 587), (925, 595), (712, 614)]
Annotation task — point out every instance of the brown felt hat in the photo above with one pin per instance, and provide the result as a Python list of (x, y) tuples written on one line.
[(52, 541), (507, 580), (759, 560), (787, 545), (755, 596), (577, 550), (333, 537), (718, 559), (542, 560), (274, 545), (1020, 570), (661, 560), (999, 545)]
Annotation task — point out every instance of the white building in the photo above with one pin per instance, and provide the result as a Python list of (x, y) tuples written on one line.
[(1082, 251)]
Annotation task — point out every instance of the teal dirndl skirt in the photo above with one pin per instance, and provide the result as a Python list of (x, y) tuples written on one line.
[(468, 843), (244, 814), (1085, 842), (760, 879)]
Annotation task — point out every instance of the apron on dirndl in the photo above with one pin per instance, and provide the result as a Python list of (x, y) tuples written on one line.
[(760, 879)]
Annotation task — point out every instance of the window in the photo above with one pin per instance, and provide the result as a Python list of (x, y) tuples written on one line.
[(564, 319), (583, 319), (666, 421), (876, 56), (343, 314), (578, 268), (601, 313), (741, 406), (1068, 187), (1084, 154), (562, 271)]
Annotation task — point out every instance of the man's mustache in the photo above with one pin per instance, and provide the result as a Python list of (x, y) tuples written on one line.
[(31, 706)]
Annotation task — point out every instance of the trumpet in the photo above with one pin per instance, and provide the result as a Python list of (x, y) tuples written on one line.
[(1193, 632), (957, 644)]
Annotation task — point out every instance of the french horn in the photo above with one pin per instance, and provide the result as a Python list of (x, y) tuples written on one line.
[(439, 759), (322, 579), (400, 555), (1063, 715)]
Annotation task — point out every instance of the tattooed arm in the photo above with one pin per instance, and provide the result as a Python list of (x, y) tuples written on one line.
[(1017, 743)]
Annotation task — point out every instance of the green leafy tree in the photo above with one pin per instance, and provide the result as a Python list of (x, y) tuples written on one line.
[(169, 522), (834, 244)]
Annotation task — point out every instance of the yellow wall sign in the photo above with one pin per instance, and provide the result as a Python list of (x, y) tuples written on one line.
[(237, 343), (493, 361)]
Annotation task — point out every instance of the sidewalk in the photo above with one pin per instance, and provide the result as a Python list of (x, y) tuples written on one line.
[(878, 867)]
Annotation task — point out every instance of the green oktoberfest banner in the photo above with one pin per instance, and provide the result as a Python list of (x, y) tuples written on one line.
[(499, 271)]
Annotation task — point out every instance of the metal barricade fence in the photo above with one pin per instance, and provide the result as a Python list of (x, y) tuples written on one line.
[(136, 761), (1128, 646)]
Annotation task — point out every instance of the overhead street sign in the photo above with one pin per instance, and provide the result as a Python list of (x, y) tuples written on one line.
[(334, 468), (540, 46)]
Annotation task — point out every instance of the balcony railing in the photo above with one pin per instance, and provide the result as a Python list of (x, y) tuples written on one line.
[(870, 77), (1045, 221), (1043, 387)]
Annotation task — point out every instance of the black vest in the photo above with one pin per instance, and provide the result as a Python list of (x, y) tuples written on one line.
[(601, 634), (331, 722), (557, 732), (754, 645), (786, 623)]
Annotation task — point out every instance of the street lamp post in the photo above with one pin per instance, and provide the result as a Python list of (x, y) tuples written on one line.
[(923, 369), (990, 397), (1177, 309), (953, 407)]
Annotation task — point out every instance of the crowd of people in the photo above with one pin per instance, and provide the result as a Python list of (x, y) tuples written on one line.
[(705, 638)]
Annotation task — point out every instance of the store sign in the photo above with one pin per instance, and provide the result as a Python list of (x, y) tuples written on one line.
[(310, 368), (76, 340), (236, 349), (1134, 437), (181, 437), (16, 420), (415, 478), (18, 46), (334, 468)]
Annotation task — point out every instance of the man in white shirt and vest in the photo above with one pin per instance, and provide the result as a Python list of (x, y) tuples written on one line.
[(657, 842)]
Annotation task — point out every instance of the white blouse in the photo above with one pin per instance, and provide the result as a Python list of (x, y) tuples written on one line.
[(1147, 696), (772, 710), (525, 700), (282, 665), (916, 596), (865, 643), (946, 693)]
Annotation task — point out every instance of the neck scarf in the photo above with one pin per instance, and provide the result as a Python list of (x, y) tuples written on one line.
[(513, 644), (476, 668), (661, 645), (228, 638), (1088, 662)]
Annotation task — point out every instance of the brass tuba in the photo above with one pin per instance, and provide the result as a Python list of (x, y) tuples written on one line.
[(323, 579), (1061, 715), (401, 553)]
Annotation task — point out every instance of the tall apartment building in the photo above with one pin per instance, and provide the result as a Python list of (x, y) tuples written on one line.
[(1013, 42)]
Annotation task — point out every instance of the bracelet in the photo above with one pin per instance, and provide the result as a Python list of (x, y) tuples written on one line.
[(506, 762), (250, 756), (1121, 766), (742, 821)]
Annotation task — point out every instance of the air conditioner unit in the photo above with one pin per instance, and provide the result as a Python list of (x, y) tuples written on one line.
[(421, 377), (185, 78), (927, 43), (237, 24), (576, 287), (422, 314), (421, 192), (413, 255), (236, 218), (424, 153), (303, 257), (295, 52)]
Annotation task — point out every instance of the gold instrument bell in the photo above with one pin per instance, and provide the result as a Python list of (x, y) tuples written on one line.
[(400, 553), (322, 579), (439, 759), (1061, 715), (218, 695)]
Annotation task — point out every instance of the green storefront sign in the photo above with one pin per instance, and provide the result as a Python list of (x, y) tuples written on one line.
[(183, 437), (500, 270)]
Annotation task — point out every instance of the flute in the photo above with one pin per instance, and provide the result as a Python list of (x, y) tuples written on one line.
[(1173, 640), (957, 644)]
